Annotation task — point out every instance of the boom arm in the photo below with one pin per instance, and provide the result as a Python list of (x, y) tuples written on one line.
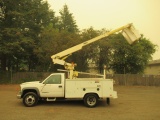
[(128, 31)]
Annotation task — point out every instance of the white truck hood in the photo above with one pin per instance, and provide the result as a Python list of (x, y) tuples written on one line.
[(33, 82)]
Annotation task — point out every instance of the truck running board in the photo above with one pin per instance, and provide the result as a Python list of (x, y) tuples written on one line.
[(51, 99)]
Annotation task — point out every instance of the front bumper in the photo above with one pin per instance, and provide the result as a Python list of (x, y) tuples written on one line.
[(19, 95)]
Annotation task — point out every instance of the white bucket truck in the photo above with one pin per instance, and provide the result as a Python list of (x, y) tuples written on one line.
[(57, 87)]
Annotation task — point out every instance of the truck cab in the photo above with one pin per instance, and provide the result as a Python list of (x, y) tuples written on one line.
[(53, 86)]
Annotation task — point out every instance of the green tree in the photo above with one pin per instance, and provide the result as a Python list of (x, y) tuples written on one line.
[(51, 42), (20, 31), (98, 53), (88, 54), (117, 54), (128, 58), (66, 20)]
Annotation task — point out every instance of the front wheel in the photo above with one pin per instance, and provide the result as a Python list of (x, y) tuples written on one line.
[(30, 99), (91, 100)]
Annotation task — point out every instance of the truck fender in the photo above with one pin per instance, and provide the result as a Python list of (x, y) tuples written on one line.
[(91, 93), (30, 89)]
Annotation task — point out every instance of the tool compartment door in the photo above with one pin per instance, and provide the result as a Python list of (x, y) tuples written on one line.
[(79, 87)]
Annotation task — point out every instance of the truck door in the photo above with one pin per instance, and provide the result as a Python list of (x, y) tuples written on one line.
[(53, 86)]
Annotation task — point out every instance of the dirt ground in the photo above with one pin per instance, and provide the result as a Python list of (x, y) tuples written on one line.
[(133, 103)]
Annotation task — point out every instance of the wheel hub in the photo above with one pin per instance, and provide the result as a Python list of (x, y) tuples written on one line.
[(30, 100), (91, 100)]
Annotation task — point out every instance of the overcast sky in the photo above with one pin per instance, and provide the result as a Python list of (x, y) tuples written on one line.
[(111, 14)]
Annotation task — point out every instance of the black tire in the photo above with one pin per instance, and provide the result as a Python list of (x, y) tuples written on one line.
[(30, 99), (90, 100)]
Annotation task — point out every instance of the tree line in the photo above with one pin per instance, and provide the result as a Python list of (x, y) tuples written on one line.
[(30, 33)]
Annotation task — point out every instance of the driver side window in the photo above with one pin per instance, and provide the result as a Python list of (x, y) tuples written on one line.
[(54, 79)]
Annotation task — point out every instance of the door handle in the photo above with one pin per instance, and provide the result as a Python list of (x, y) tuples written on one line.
[(60, 86)]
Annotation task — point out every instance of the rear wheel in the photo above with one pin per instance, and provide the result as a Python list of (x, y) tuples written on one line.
[(91, 100), (30, 99)]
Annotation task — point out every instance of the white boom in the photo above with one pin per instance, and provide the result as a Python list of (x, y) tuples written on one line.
[(128, 31)]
